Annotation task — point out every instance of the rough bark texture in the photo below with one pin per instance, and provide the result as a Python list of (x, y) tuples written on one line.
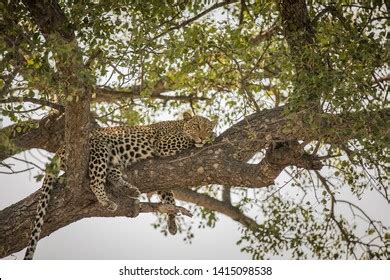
[(296, 24), (50, 18), (307, 59), (105, 94)]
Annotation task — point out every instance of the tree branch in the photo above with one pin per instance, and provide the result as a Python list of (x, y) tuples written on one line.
[(34, 101), (215, 205), (106, 94), (50, 18), (306, 57), (198, 16), (296, 24)]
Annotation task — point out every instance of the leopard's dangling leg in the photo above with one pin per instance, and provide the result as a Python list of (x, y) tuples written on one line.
[(167, 197), (98, 163)]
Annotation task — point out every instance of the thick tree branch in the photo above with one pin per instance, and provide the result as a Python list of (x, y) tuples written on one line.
[(67, 207), (47, 134), (215, 165), (106, 94), (50, 18), (296, 23), (299, 34)]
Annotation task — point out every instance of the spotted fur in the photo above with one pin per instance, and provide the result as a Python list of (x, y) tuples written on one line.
[(112, 149)]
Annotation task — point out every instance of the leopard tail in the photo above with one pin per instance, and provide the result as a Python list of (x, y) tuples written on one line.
[(43, 203)]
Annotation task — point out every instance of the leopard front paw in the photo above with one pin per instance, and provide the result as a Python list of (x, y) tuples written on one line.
[(134, 192), (110, 205)]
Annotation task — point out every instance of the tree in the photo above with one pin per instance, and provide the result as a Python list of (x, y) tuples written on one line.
[(301, 88)]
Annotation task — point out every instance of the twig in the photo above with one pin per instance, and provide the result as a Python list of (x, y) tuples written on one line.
[(198, 16), (33, 100)]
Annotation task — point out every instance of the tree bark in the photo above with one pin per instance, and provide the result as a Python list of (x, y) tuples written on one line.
[(306, 57)]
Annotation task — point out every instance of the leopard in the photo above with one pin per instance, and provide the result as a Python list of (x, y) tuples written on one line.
[(114, 148)]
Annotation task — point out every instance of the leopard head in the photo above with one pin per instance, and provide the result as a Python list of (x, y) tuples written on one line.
[(199, 129)]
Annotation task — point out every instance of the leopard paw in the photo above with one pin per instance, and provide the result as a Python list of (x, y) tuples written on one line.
[(110, 205), (134, 192)]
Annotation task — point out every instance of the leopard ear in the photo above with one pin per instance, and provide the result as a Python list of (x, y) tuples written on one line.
[(187, 115)]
